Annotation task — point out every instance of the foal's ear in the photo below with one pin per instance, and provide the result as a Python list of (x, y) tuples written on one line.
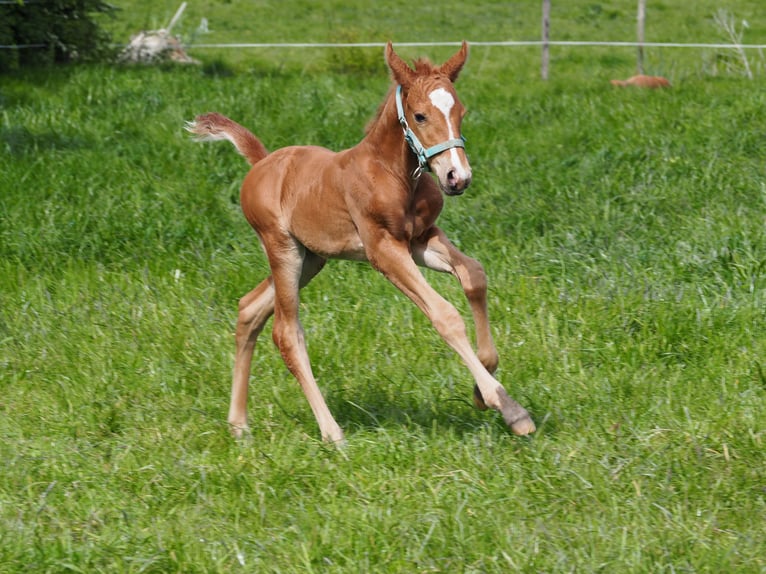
[(451, 68), (400, 71)]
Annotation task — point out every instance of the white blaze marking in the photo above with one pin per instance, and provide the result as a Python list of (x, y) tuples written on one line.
[(443, 101)]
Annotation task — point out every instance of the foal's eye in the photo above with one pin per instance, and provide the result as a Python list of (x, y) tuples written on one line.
[(420, 118)]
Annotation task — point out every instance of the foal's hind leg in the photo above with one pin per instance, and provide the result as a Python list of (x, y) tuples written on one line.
[(291, 267), (255, 308)]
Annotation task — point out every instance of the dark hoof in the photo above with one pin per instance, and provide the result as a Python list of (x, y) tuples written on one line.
[(523, 426), (478, 400)]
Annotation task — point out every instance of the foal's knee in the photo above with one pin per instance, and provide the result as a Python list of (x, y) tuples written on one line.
[(449, 324), (475, 282), (278, 335), (254, 310), (244, 330), (287, 337)]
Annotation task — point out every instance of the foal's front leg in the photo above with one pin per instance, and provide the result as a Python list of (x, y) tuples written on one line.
[(392, 258), (435, 251)]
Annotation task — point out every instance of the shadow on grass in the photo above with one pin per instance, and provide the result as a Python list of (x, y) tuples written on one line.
[(372, 408)]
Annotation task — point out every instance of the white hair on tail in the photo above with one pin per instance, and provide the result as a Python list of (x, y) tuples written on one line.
[(203, 134)]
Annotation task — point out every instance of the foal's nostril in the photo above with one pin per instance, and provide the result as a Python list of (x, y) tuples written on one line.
[(456, 182)]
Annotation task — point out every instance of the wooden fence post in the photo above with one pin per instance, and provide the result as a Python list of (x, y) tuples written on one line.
[(640, 32), (546, 34)]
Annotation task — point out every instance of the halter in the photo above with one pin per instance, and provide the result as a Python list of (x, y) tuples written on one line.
[(417, 148)]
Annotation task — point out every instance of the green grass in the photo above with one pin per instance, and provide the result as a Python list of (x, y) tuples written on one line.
[(352, 21), (623, 235)]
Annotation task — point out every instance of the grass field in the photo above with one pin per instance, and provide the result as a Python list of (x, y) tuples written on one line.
[(624, 236)]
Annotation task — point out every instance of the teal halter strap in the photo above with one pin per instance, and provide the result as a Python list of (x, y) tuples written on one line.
[(417, 148)]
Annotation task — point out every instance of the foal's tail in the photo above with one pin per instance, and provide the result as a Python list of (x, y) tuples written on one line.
[(214, 126)]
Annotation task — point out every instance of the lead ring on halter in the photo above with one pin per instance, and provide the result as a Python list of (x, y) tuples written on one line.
[(417, 148)]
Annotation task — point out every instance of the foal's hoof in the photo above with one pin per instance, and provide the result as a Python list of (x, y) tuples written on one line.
[(523, 426), (334, 436), (239, 432), (478, 400)]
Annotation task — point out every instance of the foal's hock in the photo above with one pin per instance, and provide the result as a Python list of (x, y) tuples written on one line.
[(372, 202)]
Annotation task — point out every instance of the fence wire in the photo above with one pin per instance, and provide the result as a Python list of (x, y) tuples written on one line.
[(499, 43), (432, 44)]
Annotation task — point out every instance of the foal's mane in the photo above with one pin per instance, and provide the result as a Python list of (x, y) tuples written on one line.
[(423, 67)]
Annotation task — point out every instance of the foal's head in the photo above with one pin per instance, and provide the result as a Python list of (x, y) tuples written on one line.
[(434, 113)]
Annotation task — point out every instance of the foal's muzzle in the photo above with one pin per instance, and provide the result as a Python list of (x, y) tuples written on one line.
[(456, 183), (452, 171)]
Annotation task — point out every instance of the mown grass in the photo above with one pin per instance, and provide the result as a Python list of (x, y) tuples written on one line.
[(623, 235), (354, 21)]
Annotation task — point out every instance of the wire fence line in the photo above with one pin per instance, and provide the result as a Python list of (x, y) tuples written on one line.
[(544, 44), (509, 43)]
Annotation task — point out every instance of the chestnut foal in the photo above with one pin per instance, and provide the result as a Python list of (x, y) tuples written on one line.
[(368, 203)]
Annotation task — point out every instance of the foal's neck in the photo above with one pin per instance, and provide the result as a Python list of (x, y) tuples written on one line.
[(385, 138)]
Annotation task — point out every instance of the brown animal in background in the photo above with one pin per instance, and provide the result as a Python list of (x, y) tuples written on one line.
[(372, 203), (642, 81)]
